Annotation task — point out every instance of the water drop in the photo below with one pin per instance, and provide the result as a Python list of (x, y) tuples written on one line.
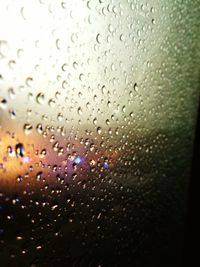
[(107, 122), (3, 103), (40, 98), (52, 103), (27, 128), (39, 128), (10, 151), (19, 150), (12, 113), (43, 153), (123, 109), (99, 38), (79, 110), (135, 87), (95, 121), (121, 37), (60, 117), (99, 130), (19, 178), (39, 176)]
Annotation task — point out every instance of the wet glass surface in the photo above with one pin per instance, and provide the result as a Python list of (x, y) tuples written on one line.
[(98, 104)]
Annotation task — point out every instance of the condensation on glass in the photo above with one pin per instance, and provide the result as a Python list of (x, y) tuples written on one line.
[(98, 102)]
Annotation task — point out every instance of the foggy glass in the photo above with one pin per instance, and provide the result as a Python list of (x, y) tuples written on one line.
[(98, 105)]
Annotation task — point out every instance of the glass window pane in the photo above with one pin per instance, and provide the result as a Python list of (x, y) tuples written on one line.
[(98, 104)]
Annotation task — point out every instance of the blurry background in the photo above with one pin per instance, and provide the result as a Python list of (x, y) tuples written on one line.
[(98, 106)]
